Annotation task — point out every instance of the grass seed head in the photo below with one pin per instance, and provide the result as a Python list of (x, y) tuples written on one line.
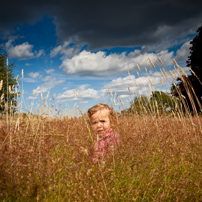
[(161, 82), (145, 69), (136, 83), (162, 73), (160, 60), (150, 81), (138, 67), (75, 93), (172, 74), (151, 63)]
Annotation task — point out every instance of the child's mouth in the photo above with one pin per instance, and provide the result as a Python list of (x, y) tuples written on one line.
[(100, 131)]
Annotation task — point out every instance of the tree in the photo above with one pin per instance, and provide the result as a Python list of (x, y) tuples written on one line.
[(139, 105), (158, 103), (7, 90), (165, 102), (191, 87)]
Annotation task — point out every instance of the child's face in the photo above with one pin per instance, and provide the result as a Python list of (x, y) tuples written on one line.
[(100, 122)]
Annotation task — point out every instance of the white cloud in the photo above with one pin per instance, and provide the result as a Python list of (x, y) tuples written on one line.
[(40, 53), (32, 98), (49, 71), (123, 87), (183, 53), (28, 64), (34, 74), (29, 80), (22, 51), (47, 78), (100, 64), (83, 93), (66, 50), (47, 86), (130, 85)]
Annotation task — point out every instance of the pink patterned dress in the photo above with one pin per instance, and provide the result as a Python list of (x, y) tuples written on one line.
[(106, 145)]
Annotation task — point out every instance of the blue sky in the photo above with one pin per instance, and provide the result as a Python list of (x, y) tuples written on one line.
[(77, 46)]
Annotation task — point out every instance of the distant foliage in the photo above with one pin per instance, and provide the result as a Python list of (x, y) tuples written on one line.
[(165, 102), (186, 85), (159, 102), (11, 96)]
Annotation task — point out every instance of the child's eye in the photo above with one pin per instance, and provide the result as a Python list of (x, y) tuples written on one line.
[(102, 121), (94, 123)]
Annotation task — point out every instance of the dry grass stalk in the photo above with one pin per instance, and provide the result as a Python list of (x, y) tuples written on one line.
[(182, 98), (48, 95), (195, 75), (151, 62), (175, 72), (75, 93), (19, 105), (166, 75), (160, 60), (136, 82), (2, 97), (180, 68), (161, 81), (186, 86), (175, 62), (179, 75), (6, 106), (150, 81), (42, 97), (193, 91), (145, 69), (153, 88), (1, 84), (9, 89), (172, 75), (150, 87), (122, 104), (162, 73), (138, 67)]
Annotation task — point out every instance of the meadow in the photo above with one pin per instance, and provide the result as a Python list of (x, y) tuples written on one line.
[(47, 158)]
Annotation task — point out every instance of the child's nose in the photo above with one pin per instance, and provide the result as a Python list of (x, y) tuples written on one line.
[(99, 124)]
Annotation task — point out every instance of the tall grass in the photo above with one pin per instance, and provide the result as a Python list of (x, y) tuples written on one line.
[(50, 159)]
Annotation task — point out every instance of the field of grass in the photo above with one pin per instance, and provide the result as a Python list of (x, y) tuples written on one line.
[(49, 159)]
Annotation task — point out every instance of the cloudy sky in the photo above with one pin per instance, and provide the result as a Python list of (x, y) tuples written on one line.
[(79, 52)]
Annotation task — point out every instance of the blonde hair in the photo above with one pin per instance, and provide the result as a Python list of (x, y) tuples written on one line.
[(102, 106)]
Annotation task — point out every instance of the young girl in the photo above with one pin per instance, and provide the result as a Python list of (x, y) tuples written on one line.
[(102, 119)]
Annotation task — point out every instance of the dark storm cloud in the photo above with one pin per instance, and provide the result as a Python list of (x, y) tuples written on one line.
[(109, 23)]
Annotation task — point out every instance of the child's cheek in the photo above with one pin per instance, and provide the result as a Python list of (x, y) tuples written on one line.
[(93, 128)]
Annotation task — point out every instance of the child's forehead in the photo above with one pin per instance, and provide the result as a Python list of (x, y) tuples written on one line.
[(100, 114)]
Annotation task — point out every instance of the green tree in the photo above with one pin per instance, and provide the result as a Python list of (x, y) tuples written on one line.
[(139, 105), (7, 91), (190, 87), (164, 102), (159, 102)]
